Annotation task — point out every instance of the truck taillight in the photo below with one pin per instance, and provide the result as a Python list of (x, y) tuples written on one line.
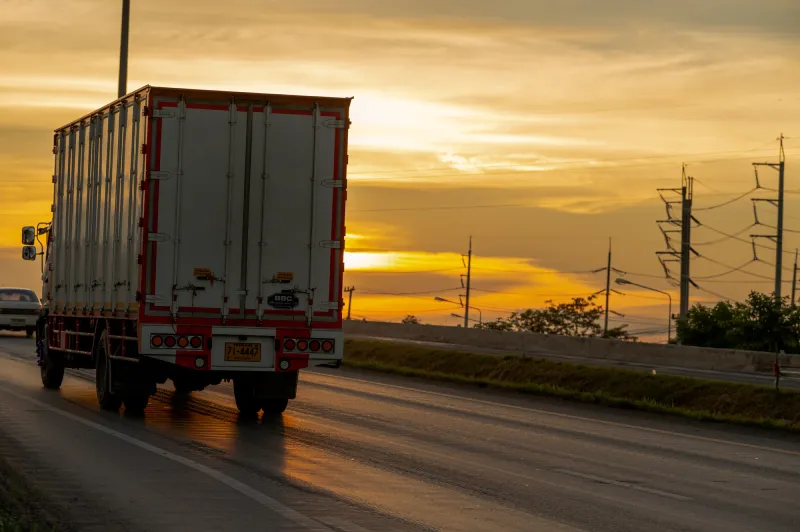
[(305, 346), (161, 341)]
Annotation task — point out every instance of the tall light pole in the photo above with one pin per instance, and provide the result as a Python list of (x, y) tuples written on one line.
[(620, 280), (466, 320), (122, 89)]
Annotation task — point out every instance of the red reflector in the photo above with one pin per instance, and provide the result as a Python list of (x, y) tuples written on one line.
[(289, 345), (183, 341), (169, 341), (327, 346), (302, 345), (314, 345), (157, 341), (196, 342)]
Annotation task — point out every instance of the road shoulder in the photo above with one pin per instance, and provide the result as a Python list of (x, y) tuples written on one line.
[(23, 506)]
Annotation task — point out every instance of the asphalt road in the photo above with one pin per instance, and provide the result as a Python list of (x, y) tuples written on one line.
[(759, 379), (358, 451)]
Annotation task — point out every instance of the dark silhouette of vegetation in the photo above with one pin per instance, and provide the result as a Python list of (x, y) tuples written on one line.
[(413, 320), (579, 317), (759, 323)]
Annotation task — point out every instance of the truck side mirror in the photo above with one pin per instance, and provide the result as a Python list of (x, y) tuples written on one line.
[(29, 253), (28, 235)]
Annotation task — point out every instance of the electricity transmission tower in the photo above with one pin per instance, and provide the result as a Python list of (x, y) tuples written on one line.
[(684, 227), (778, 202)]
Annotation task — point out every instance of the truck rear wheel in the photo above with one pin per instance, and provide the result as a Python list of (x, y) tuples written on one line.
[(52, 371), (136, 403), (244, 392), (273, 406), (102, 379), (182, 385)]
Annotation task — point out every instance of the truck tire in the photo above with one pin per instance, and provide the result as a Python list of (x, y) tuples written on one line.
[(244, 392), (182, 386), (273, 406), (102, 379), (52, 371), (29, 332), (135, 403)]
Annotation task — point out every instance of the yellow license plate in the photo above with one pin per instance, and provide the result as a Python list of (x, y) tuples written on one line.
[(242, 352)]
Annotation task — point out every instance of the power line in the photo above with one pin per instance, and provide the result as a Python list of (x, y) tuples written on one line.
[(734, 268), (723, 204), (706, 290), (724, 238), (728, 272), (773, 227), (625, 272), (742, 239)]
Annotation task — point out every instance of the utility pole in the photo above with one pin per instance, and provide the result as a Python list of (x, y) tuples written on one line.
[(122, 90), (687, 187), (794, 277), (469, 281), (778, 237), (684, 227), (608, 286), (349, 290)]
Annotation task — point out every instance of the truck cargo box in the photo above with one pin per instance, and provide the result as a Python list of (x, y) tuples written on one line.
[(209, 214)]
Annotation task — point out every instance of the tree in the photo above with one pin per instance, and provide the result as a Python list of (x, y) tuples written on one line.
[(760, 323), (413, 320), (578, 317)]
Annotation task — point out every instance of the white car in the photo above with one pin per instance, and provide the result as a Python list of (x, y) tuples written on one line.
[(19, 310)]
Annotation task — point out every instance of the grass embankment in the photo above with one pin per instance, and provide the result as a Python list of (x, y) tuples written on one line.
[(696, 398), (20, 507)]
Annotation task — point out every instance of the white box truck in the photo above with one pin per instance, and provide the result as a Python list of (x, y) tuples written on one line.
[(196, 236)]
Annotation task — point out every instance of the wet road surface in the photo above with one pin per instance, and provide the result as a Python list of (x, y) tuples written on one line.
[(359, 451)]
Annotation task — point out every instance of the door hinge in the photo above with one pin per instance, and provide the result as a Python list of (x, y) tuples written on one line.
[(330, 244), (163, 113), (327, 305), (153, 299), (332, 183), (157, 237)]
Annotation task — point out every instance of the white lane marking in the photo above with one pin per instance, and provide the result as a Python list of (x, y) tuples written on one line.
[(244, 489), (554, 414), (624, 485)]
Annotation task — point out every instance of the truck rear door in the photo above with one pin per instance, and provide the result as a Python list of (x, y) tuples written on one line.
[(247, 210)]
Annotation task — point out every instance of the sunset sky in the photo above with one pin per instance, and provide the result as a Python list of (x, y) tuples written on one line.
[(540, 128)]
